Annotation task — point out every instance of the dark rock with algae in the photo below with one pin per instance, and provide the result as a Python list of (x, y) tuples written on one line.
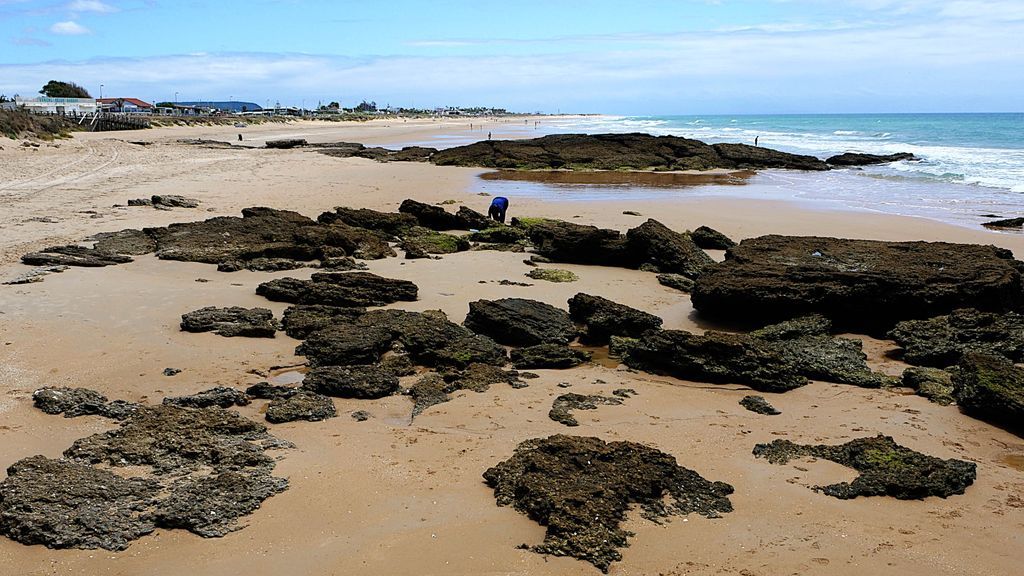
[(581, 489), (886, 468)]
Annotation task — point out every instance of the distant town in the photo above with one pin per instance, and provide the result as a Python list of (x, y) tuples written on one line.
[(67, 98)]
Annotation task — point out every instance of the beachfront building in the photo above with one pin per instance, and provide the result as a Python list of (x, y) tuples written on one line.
[(125, 105), (50, 105)]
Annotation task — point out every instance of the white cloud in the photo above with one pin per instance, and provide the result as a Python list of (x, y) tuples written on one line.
[(91, 6), (69, 28), (936, 64)]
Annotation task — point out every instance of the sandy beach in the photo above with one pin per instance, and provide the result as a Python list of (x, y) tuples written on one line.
[(387, 496)]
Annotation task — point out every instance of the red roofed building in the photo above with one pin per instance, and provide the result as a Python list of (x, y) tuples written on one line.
[(124, 105)]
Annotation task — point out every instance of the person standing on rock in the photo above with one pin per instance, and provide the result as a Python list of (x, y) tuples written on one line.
[(497, 210)]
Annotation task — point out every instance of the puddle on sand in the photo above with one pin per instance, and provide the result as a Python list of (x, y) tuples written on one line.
[(287, 377), (1015, 461), (599, 356), (616, 178)]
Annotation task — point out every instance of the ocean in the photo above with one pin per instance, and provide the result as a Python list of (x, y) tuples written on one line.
[(970, 166)]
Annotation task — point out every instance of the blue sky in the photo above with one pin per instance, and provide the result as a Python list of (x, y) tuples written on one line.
[(637, 57)]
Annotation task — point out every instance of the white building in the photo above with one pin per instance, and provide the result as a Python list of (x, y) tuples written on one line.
[(48, 105)]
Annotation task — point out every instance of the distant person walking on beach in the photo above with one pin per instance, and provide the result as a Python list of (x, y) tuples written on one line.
[(755, 140), (497, 210), (488, 135)]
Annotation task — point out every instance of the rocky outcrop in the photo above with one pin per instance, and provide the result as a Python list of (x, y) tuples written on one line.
[(1005, 223), (435, 388), (759, 405), (520, 322), (805, 344), (942, 341), (198, 469), (358, 381), (773, 359), (352, 149), (676, 282), (437, 218), (303, 405), (71, 402), (561, 241), (211, 506), (345, 344), (580, 490), (562, 407), (342, 289), (74, 256), (857, 159), (934, 384), (711, 239), (300, 320), (286, 144), (393, 223), (429, 338), (499, 234), (268, 391), (220, 396), (886, 468), (75, 402), (650, 245), (420, 242), (128, 241), (618, 152), (552, 356), (991, 388), (859, 284), (480, 377), (260, 265), (552, 275), (234, 321), (429, 390), (264, 233), (715, 357), (173, 201), (60, 503), (671, 252), (604, 318)]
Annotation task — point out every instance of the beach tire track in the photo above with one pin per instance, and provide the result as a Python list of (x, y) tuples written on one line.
[(90, 152), (68, 178)]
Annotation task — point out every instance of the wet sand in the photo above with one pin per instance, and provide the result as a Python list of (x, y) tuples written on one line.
[(387, 497)]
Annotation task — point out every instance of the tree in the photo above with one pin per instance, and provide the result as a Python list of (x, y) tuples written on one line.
[(57, 89), (4, 98), (365, 106)]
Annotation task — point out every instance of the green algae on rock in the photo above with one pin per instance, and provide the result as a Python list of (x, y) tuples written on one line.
[(581, 488), (759, 405), (942, 341), (201, 470), (554, 356), (886, 468), (991, 388), (552, 275), (561, 408), (934, 384)]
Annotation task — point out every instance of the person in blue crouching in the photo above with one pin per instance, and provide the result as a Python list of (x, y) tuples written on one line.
[(497, 210)]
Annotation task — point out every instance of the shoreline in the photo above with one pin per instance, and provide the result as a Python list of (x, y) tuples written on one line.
[(385, 497)]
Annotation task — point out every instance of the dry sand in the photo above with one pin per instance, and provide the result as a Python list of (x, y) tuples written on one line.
[(386, 497)]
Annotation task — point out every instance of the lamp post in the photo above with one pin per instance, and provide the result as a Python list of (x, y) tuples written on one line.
[(175, 97)]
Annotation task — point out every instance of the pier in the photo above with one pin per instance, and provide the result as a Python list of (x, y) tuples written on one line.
[(109, 121)]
